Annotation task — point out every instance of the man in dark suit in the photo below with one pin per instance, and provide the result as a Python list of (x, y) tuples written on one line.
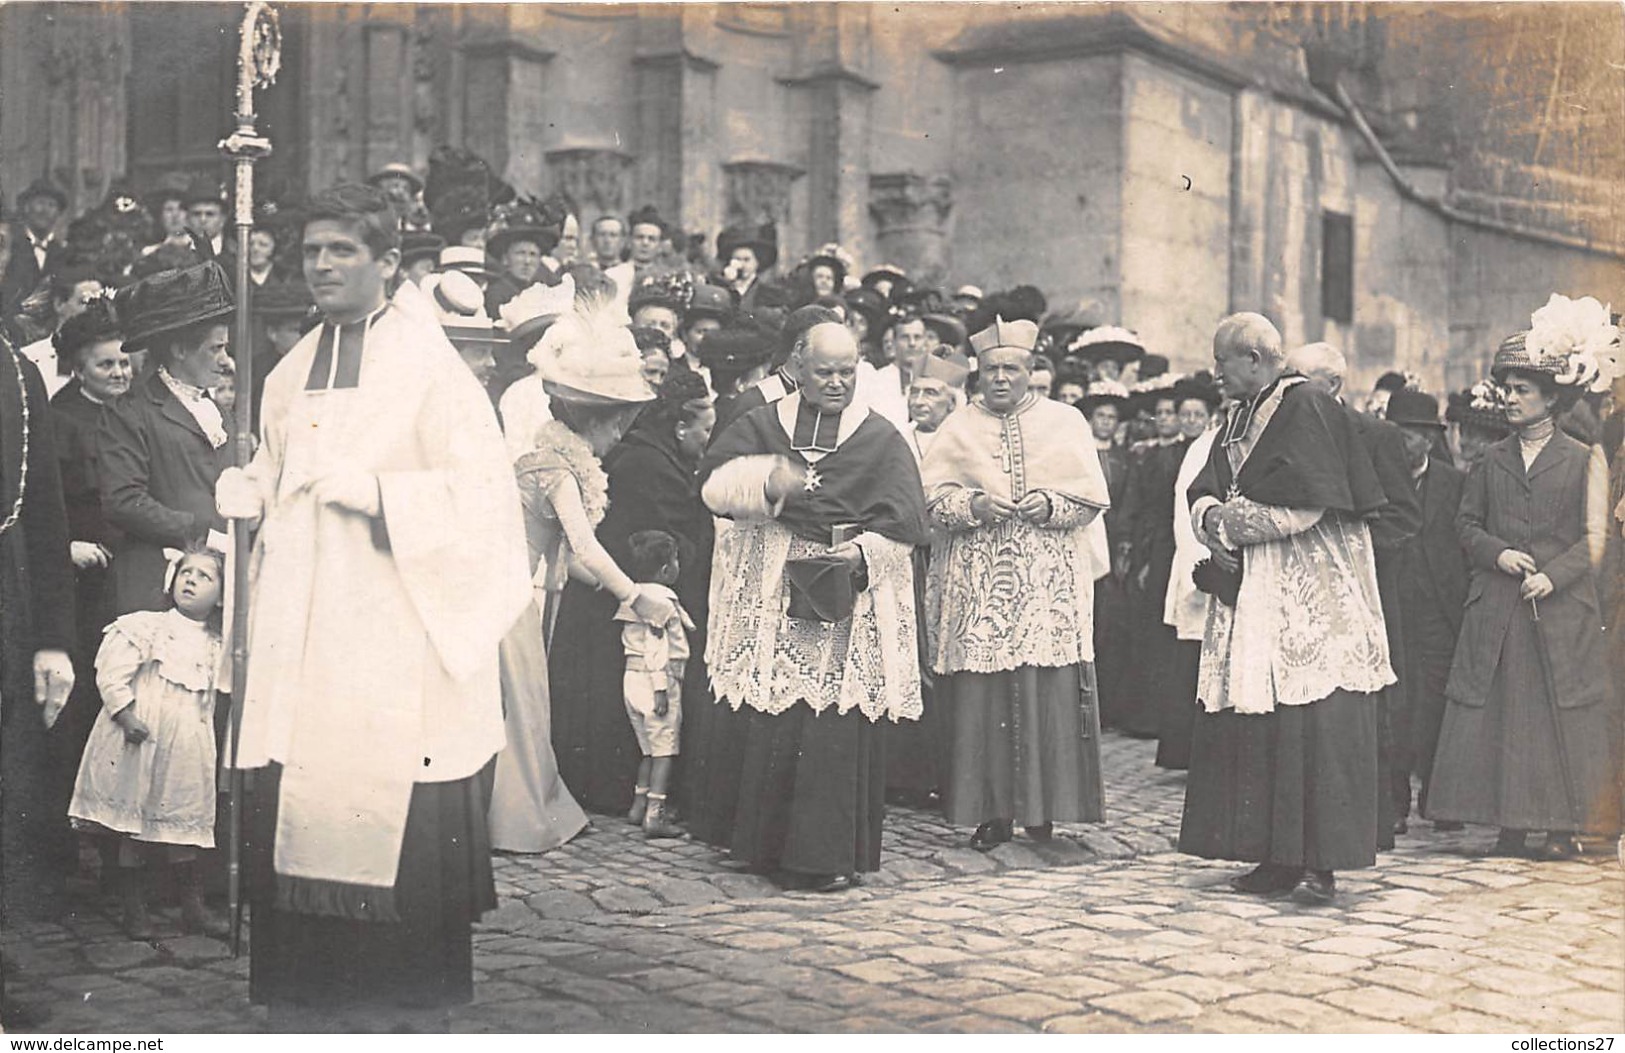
[(33, 242), (1392, 526), (1433, 582)]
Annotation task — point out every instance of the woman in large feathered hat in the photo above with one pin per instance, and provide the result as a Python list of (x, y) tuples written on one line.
[(1529, 735)]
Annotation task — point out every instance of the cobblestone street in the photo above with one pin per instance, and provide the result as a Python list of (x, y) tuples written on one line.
[(1105, 930)]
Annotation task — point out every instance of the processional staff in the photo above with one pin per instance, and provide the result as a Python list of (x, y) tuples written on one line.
[(259, 57)]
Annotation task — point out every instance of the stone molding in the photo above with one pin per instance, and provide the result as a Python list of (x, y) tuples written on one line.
[(759, 191), (902, 201), (595, 178)]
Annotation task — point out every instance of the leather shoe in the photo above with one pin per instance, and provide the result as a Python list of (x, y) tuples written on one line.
[(830, 883), (1557, 848), (1266, 879), (1042, 832), (1316, 888), (1448, 826), (992, 833), (1401, 827)]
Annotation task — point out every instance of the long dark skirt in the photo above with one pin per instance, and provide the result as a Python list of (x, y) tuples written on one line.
[(1176, 704), (593, 740), (713, 751), (426, 959), (917, 751), (1150, 645), (1296, 787), (1428, 652), (1504, 763), (811, 792), (1026, 747), (1111, 651)]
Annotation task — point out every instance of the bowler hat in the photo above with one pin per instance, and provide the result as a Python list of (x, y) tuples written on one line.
[(710, 301), (417, 244), (281, 300), (172, 300), (1414, 407), (398, 169), (43, 188), (946, 328)]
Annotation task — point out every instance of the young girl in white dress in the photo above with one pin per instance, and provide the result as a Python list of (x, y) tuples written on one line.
[(148, 773)]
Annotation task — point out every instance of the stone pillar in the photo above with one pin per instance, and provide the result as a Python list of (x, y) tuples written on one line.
[(759, 191), (911, 213), (597, 180), (504, 118), (389, 87), (838, 104), (675, 137), (62, 98)]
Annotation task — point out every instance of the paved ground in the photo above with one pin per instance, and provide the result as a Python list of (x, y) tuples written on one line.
[(1107, 930)]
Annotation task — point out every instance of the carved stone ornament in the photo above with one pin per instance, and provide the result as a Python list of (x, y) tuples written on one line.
[(909, 201), (759, 191), (595, 179)]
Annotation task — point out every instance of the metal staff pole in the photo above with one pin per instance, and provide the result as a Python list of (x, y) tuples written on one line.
[(258, 59)]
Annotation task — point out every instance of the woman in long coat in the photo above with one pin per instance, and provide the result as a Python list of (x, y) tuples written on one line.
[(164, 445), (1526, 743), (90, 343), (651, 487)]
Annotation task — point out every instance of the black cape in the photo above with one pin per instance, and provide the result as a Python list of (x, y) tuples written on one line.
[(871, 480)]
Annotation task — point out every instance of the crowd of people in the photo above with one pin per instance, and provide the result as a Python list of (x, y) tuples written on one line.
[(553, 520)]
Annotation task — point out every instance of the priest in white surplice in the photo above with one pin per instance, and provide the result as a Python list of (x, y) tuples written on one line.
[(390, 562)]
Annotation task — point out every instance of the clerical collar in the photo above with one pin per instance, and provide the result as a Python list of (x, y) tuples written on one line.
[(815, 431), (1235, 428), (787, 380), (330, 370)]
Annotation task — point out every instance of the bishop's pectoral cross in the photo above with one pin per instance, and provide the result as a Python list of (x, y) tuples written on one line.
[(813, 480)]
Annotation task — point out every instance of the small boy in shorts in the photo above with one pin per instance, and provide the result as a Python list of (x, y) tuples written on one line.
[(653, 684)]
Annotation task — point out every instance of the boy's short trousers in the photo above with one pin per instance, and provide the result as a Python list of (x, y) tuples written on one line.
[(657, 736)]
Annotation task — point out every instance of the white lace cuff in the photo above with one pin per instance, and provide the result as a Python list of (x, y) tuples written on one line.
[(1243, 521), (738, 489), (952, 510)]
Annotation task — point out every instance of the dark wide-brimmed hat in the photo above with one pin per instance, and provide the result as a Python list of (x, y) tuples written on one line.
[(43, 188), (204, 191), (525, 220), (172, 300), (762, 240), (736, 348), (1414, 408), (1198, 386), (281, 300), (869, 303), (1478, 407), (673, 291)]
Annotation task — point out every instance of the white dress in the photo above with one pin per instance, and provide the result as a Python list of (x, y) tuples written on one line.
[(162, 790)]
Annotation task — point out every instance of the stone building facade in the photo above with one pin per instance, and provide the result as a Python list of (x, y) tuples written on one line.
[(1406, 181)]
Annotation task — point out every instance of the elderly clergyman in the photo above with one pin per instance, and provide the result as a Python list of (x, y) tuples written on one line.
[(390, 563), (1284, 757), (811, 592), (1015, 483)]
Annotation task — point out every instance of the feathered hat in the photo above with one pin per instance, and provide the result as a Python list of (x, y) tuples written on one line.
[(1104, 393), (530, 314), (589, 356), (1108, 341), (1574, 341), (526, 219), (1480, 406)]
